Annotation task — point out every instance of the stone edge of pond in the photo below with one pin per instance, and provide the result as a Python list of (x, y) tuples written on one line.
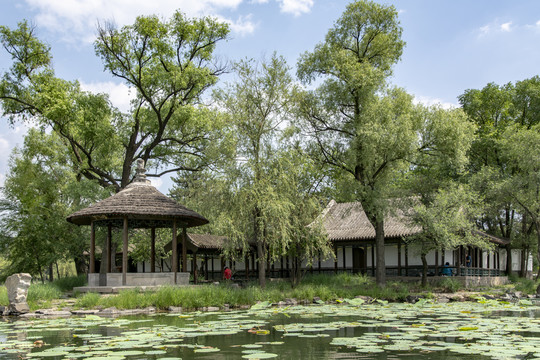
[(114, 312)]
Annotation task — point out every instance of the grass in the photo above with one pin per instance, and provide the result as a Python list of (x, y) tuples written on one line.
[(41, 295), (449, 285), (325, 287), (526, 286)]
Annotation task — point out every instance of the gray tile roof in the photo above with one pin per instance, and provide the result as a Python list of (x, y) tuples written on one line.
[(348, 221)]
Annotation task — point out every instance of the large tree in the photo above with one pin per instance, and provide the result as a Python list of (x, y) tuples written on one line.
[(40, 190), (354, 60), (167, 64), (521, 147), (498, 111)]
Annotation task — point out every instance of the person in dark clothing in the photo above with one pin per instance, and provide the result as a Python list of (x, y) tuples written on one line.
[(446, 271)]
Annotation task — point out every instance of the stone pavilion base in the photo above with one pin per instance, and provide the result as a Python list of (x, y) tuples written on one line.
[(112, 282)]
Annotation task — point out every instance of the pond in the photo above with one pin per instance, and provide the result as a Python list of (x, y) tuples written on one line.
[(488, 329)]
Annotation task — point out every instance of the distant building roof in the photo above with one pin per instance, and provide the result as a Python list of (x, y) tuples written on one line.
[(348, 221), (207, 241)]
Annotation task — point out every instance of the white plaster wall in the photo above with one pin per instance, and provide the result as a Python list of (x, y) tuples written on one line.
[(391, 255), (516, 260)]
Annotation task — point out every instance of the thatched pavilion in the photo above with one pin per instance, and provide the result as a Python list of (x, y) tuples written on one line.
[(139, 206)]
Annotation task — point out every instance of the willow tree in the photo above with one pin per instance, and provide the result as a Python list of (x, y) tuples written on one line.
[(268, 204), (167, 64)]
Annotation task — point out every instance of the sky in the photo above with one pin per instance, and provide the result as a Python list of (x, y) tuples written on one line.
[(451, 45)]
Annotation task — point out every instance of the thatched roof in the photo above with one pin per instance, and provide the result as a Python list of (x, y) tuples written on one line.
[(348, 221), (142, 202)]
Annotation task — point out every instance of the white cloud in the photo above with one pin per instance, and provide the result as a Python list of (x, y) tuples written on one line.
[(431, 101), (506, 27), (496, 27), (295, 7), (242, 26), (76, 19), (119, 94)]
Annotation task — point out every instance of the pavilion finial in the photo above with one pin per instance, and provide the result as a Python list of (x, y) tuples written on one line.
[(140, 172)]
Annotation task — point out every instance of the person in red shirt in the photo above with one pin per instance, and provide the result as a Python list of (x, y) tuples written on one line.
[(227, 273)]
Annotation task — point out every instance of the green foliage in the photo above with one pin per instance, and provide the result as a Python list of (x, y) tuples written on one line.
[(527, 286), (40, 191), (68, 283), (87, 301), (502, 167), (168, 64), (4, 301), (263, 194), (449, 285)]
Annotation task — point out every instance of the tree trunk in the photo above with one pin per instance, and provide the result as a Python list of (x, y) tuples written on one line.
[(81, 267), (262, 264), (523, 268), (508, 260), (51, 272), (424, 269), (380, 274), (537, 225)]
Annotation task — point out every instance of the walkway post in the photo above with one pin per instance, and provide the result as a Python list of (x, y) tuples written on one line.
[(125, 252), (184, 249), (92, 268), (153, 250), (174, 250)]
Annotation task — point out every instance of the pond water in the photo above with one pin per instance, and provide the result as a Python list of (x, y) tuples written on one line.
[(485, 330)]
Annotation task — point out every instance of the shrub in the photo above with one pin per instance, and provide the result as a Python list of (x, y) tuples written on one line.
[(68, 283), (450, 285), (88, 300), (527, 286)]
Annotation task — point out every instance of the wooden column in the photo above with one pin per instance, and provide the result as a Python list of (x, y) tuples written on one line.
[(205, 266), (365, 260), (125, 251), (212, 257), (399, 257), (174, 260), (344, 258), (184, 249), (110, 256), (222, 267), (373, 259), (194, 267), (92, 265), (247, 267), (337, 258), (406, 260), (436, 262), (153, 250)]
